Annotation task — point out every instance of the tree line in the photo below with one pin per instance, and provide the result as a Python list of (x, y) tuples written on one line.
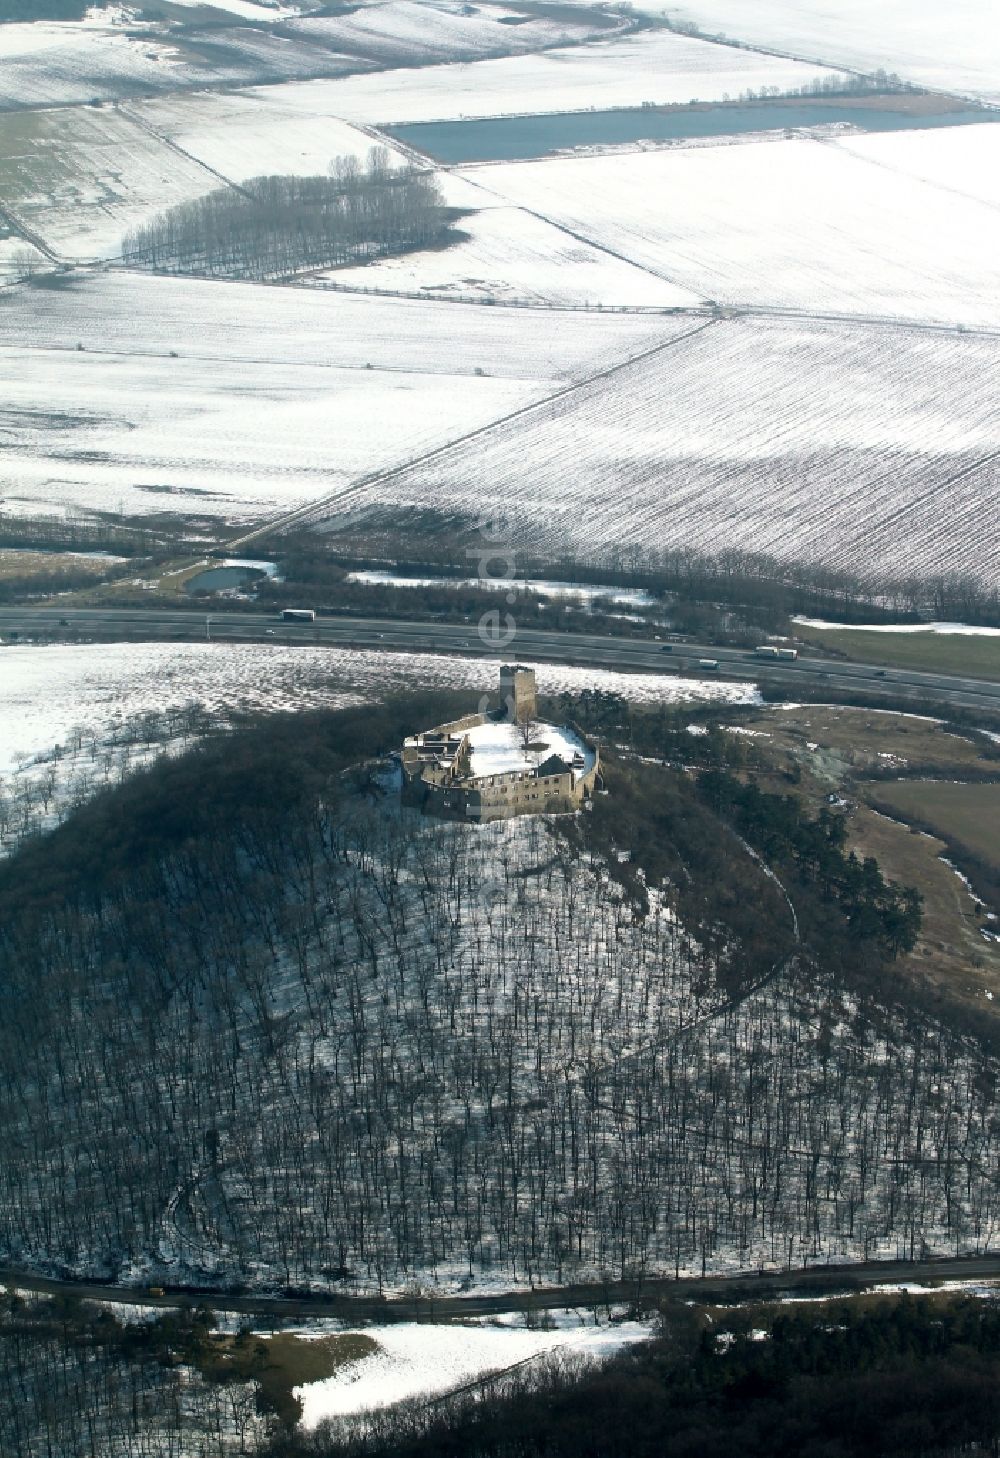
[(272, 227), (733, 594), (873, 908)]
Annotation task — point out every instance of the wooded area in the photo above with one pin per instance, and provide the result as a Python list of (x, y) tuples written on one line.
[(900, 1378), (273, 227), (283, 1031)]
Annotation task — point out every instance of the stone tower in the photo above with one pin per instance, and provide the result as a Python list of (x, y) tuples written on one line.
[(518, 694)]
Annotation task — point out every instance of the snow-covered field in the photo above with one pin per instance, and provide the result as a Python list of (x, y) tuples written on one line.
[(954, 47), (245, 9), (253, 133), (143, 315), (784, 223), (112, 55), (81, 177), (651, 66), (147, 436), (963, 160), (52, 64), (416, 1360), (48, 690), (101, 59), (415, 32), (234, 399), (872, 449), (510, 254)]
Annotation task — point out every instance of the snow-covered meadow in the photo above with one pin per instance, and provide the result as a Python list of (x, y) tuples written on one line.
[(962, 160), (253, 133), (415, 32), (146, 436), (46, 63), (512, 254), (113, 54), (874, 449), (948, 48), (110, 55), (146, 316), (423, 1360), (788, 224), (653, 66), (50, 690), (81, 177), (233, 400)]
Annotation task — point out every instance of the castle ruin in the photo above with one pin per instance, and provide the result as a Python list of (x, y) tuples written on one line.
[(506, 762)]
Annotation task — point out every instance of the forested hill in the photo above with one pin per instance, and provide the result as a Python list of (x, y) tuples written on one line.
[(282, 1032)]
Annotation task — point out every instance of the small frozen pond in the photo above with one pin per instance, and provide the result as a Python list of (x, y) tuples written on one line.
[(228, 575)]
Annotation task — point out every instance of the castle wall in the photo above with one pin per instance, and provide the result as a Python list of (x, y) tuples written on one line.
[(450, 791)]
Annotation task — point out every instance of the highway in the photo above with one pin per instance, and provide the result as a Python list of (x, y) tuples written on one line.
[(630, 655), (744, 1286)]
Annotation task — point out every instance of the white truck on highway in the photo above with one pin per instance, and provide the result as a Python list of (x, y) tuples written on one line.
[(298, 615), (768, 650), (708, 663)]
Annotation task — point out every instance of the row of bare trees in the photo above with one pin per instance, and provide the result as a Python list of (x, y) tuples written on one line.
[(273, 227)]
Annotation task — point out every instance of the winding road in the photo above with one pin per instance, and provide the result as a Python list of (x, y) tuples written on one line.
[(744, 1286)]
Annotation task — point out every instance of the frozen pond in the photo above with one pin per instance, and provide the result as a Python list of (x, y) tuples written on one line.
[(516, 138)]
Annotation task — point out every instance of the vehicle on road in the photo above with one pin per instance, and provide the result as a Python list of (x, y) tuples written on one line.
[(667, 648), (765, 650), (791, 653), (708, 663), (298, 615)]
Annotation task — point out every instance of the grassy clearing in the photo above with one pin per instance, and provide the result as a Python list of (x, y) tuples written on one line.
[(859, 741), (281, 1363), (952, 954), (15, 563), (967, 814), (818, 750), (954, 653)]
